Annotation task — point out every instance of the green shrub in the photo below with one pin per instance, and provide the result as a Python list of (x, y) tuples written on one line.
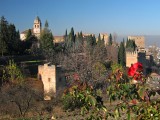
[(12, 73)]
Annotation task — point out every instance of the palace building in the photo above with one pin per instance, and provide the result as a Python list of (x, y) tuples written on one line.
[(36, 30)]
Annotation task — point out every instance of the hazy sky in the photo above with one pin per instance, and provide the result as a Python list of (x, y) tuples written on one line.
[(124, 17)]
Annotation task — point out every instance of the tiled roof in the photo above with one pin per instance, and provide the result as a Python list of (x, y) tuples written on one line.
[(25, 31)]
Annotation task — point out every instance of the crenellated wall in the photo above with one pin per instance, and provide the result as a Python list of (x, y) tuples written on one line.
[(131, 57), (136, 56)]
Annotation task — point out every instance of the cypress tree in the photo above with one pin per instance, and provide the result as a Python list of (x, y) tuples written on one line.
[(130, 45), (93, 40), (110, 40), (121, 54), (66, 37), (71, 35)]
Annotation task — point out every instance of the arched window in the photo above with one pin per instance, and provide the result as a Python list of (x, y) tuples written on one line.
[(35, 26)]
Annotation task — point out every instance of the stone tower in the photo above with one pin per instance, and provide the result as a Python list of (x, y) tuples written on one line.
[(136, 56), (37, 27), (53, 79), (106, 37), (139, 40)]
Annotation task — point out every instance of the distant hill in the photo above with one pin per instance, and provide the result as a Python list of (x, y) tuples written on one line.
[(152, 40)]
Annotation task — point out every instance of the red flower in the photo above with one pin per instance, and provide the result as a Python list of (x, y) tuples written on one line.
[(137, 67), (135, 71), (76, 76), (134, 101), (137, 76)]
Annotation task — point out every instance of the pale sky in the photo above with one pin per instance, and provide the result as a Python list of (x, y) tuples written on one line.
[(124, 17)]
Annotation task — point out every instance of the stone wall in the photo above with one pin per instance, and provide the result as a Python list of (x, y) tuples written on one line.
[(139, 40), (106, 37), (58, 39), (131, 57), (136, 56), (52, 78)]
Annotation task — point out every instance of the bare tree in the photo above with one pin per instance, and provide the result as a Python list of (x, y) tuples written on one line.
[(85, 60), (20, 98), (112, 53)]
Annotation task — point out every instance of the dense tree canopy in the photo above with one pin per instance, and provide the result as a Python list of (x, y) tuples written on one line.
[(46, 42), (130, 45), (9, 38), (46, 38)]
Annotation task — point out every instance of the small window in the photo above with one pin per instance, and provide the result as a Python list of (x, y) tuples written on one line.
[(60, 79), (49, 79), (35, 26), (39, 77)]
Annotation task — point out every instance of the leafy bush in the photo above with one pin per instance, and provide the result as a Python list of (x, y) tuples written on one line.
[(82, 95), (134, 96), (12, 73)]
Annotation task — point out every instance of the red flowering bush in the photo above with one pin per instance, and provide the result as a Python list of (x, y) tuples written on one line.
[(135, 71)]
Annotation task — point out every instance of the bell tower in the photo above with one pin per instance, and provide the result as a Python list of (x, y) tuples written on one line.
[(37, 27)]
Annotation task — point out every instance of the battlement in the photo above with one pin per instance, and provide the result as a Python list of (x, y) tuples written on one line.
[(134, 53), (136, 56)]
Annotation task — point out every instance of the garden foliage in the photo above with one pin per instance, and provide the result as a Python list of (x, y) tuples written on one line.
[(132, 98)]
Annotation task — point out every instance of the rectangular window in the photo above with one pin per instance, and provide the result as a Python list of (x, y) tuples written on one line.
[(49, 79)]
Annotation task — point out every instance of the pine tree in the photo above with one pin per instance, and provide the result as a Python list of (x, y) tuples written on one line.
[(100, 50), (2, 46), (46, 25), (29, 34), (46, 39), (70, 39), (3, 36), (79, 40), (89, 40), (13, 42)]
